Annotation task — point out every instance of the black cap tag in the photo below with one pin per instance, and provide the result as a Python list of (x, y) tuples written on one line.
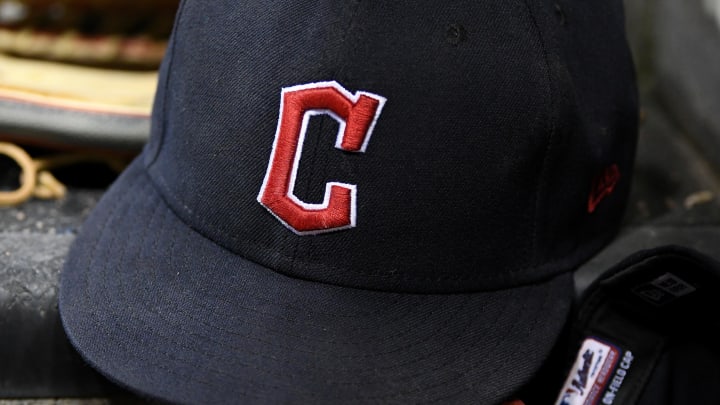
[(664, 289), (630, 318)]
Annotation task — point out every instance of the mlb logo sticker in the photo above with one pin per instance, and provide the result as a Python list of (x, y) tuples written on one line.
[(590, 374)]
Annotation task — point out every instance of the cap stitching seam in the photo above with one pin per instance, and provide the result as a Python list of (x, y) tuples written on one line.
[(402, 275), (317, 141), (170, 53), (131, 353), (535, 321), (215, 370), (553, 128)]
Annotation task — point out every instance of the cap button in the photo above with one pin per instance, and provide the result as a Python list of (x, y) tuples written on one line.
[(454, 34)]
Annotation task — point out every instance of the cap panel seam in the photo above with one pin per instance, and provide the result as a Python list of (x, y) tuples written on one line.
[(338, 70), (553, 110), (170, 54)]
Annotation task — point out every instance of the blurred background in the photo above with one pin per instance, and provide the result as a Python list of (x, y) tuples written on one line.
[(77, 81), (77, 78), (676, 46)]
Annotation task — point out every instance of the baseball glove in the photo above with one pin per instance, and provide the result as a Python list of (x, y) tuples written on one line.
[(79, 77)]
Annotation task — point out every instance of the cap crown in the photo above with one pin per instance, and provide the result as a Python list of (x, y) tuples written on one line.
[(456, 146)]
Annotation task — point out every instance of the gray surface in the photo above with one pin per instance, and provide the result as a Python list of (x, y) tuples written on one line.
[(30, 321), (49, 217), (35, 358), (670, 172), (36, 361), (676, 45)]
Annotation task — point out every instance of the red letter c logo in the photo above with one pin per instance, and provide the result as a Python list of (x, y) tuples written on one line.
[(357, 114)]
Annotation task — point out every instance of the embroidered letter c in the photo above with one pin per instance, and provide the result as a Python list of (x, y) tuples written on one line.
[(357, 114)]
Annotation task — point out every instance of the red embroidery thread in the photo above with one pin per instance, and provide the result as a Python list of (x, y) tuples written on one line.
[(356, 114), (602, 186)]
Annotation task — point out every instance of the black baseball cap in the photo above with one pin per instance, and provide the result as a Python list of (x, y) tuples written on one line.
[(645, 332), (358, 201)]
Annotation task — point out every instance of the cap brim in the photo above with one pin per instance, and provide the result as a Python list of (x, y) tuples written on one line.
[(158, 308)]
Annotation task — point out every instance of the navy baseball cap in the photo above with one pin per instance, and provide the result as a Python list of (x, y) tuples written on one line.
[(358, 201)]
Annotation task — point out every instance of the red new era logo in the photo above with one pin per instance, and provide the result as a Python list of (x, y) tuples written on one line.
[(603, 186), (356, 114)]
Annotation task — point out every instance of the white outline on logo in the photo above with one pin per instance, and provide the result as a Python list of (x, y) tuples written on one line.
[(338, 145)]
